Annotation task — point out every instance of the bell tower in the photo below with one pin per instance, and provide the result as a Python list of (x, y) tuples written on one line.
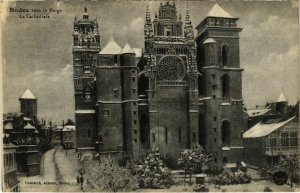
[(86, 46), (220, 87)]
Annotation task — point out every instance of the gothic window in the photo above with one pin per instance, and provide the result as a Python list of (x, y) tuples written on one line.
[(225, 133), (224, 51), (171, 68), (225, 79), (285, 139), (294, 139), (143, 84)]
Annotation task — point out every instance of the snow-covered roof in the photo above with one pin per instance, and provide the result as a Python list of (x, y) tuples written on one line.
[(281, 98), (209, 41), (27, 119), (218, 11), (257, 112), (127, 49), (88, 111), (111, 48), (8, 126), (27, 95), (138, 52), (29, 126), (261, 129), (69, 128)]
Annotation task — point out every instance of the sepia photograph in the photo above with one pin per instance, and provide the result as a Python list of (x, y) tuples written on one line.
[(150, 96)]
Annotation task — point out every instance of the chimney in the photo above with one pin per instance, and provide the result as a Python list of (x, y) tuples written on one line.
[(63, 123), (50, 123)]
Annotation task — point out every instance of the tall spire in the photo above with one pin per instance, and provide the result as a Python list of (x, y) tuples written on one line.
[(148, 17), (148, 30), (85, 15), (188, 27)]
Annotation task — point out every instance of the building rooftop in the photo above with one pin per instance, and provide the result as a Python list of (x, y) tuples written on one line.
[(112, 48), (209, 40), (218, 11), (262, 129), (69, 128), (27, 95), (29, 126), (257, 112), (127, 50), (281, 98)]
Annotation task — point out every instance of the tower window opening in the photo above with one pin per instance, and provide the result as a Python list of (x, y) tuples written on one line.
[(89, 134), (166, 135), (225, 51), (194, 136), (153, 137), (115, 59), (226, 133), (225, 160), (225, 79), (87, 69), (179, 134)]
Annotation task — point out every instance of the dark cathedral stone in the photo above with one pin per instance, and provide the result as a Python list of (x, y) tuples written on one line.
[(181, 91)]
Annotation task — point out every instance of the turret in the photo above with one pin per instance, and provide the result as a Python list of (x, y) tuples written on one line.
[(282, 104), (188, 27), (210, 48), (28, 104)]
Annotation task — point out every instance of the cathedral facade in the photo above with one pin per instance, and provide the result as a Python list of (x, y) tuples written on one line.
[(182, 89)]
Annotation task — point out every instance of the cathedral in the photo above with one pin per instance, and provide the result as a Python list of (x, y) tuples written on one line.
[(181, 89)]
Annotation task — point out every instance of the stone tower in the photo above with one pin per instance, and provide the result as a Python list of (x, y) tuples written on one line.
[(28, 103), (86, 46), (168, 108), (220, 87), (117, 101)]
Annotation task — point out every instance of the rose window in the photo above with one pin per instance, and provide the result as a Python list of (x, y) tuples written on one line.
[(170, 68)]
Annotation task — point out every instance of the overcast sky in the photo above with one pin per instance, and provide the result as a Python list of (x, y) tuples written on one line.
[(37, 53)]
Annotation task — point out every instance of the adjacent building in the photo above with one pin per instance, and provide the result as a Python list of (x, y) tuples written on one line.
[(276, 134), (9, 167), (23, 132), (69, 135), (180, 90)]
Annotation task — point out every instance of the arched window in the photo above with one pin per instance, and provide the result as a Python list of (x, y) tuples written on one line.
[(294, 139), (143, 84), (225, 79), (224, 51), (225, 133), (284, 139)]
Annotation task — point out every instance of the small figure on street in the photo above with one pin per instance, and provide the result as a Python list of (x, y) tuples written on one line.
[(81, 182), (78, 179), (66, 152)]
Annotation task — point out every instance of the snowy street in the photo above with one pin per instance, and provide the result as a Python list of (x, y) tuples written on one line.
[(57, 175)]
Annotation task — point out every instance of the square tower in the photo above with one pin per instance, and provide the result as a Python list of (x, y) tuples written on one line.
[(86, 46), (220, 87)]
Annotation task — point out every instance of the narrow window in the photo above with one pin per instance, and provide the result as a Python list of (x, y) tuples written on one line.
[(179, 134), (225, 51), (166, 135), (153, 137), (134, 112), (225, 133), (215, 118), (215, 129), (225, 160), (133, 90), (115, 59), (135, 131), (89, 133), (215, 140), (194, 136), (135, 121), (225, 79)]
